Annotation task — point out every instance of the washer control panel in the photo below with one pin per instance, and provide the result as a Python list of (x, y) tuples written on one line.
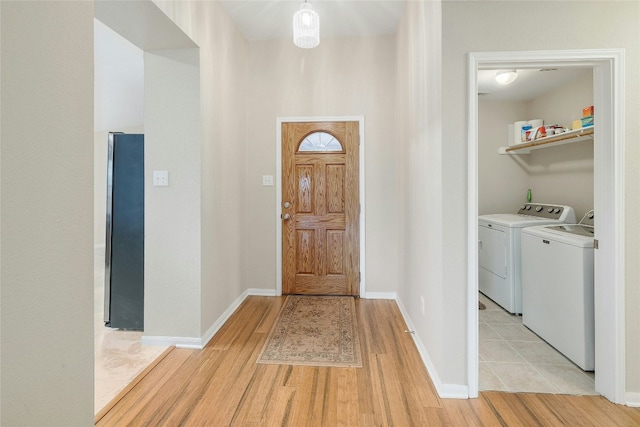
[(559, 212), (588, 219)]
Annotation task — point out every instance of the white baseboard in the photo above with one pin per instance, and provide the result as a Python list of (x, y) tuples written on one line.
[(262, 292), (381, 295), (231, 309), (199, 343), (445, 391), (223, 318), (633, 399), (180, 342), (453, 391)]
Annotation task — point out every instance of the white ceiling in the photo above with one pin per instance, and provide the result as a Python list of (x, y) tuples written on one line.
[(272, 19), (529, 84)]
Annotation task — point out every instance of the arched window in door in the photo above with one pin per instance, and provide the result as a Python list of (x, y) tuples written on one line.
[(320, 141)]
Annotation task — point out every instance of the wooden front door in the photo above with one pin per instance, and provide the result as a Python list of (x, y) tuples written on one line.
[(320, 208)]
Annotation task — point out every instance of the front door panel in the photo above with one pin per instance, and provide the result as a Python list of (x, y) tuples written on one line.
[(320, 208)]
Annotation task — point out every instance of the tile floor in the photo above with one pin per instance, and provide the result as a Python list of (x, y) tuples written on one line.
[(119, 355), (512, 358)]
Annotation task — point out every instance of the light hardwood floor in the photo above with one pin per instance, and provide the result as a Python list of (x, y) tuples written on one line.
[(222, 385)]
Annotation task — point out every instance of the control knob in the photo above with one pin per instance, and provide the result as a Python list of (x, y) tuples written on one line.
[(538, 208), (557, 210), (550, 210)]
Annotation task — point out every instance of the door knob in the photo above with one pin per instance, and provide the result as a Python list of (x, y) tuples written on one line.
[(286, 217), (287, 205)]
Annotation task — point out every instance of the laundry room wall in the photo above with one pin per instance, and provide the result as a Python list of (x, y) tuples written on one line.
[(502, 180), (563, 174)]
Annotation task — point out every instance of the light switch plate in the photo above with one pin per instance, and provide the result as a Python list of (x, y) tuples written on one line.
[(160, 178), (267, 180)]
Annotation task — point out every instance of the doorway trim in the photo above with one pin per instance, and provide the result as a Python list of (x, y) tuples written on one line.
[(278, 185), (608, 67)]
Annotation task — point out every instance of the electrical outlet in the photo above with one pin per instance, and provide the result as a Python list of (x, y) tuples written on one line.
[(422, 304), (160, 178), (267, 180)]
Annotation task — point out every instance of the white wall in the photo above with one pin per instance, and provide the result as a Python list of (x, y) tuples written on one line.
[(420, 213), (118, 81), (225, 98), (592, 25), (1, 83), (341, 77), (47, 214), (564, 104), (222, 156), (502, 180), (172, 214)]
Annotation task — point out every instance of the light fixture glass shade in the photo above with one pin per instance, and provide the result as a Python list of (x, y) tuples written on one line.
[(306, 27), (505, 77)]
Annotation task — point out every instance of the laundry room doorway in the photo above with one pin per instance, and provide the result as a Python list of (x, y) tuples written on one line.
[(607, 68)]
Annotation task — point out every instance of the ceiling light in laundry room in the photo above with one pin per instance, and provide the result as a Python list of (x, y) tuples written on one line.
[(505, 77)]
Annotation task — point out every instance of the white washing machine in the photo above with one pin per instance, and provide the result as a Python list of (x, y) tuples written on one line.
[(499, 276), (557, 288)]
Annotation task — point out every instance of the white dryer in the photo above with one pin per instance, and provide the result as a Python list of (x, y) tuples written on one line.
[(557, 288), (499, 274)]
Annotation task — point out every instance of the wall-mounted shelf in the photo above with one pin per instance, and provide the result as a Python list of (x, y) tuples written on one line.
[(568, 137)]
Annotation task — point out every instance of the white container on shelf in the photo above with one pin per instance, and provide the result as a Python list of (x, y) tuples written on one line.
[(514, 132), (536, 123)]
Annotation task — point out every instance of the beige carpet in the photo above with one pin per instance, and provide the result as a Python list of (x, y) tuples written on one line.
[(314, 331)]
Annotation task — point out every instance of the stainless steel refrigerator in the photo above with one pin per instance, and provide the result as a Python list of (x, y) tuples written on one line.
[(124, 254)]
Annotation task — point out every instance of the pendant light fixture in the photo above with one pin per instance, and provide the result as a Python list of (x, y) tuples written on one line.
[(306, 27)]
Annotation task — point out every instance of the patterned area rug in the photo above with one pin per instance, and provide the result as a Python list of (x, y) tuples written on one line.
[(314, 331)]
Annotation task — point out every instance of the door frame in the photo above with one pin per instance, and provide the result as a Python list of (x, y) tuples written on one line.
[(278, 185), (608, 80)]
